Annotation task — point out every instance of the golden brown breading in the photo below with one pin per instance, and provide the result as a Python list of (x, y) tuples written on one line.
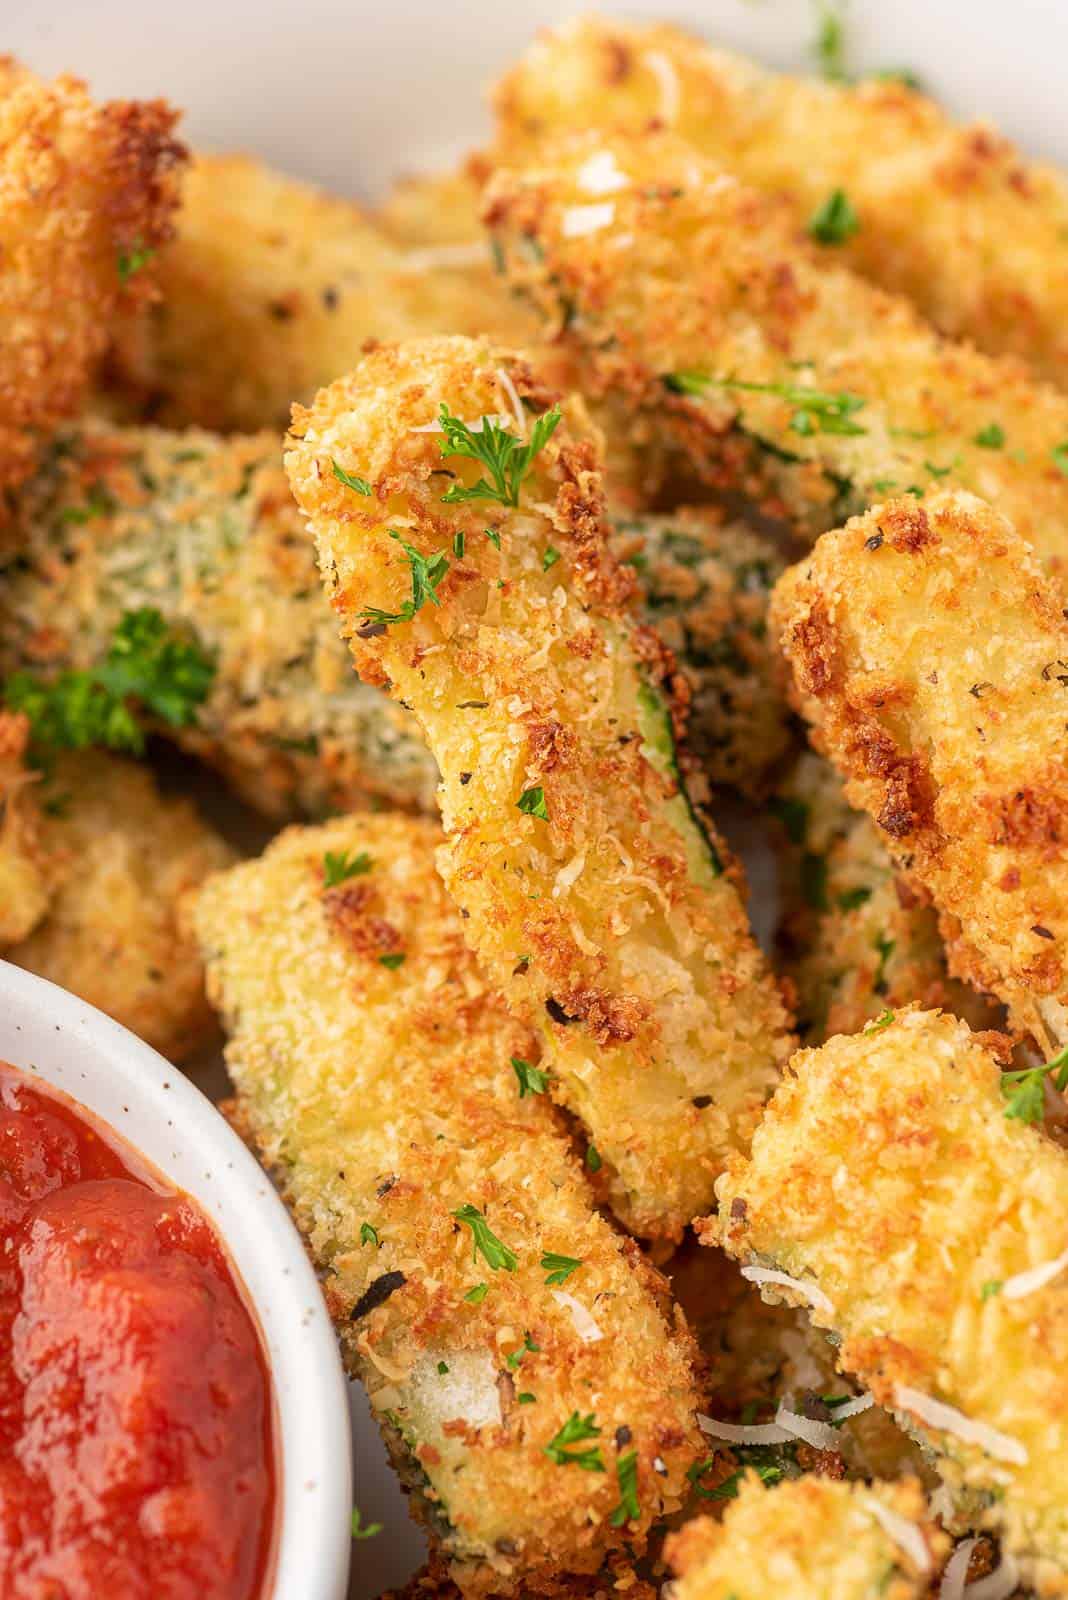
[(617, 1581), (785, 376), (379, 1078), (705, 586), (950, 215), (812, 1539), (928, 651), (857, 937), (272, 289), (887, 1179), (205, 530), (86, 197), (111, 934), (434, 210), (28, 870), (598, 902)]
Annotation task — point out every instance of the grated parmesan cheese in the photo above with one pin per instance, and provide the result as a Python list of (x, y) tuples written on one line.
[(601, 174), (936, 1414), (904, 1533), (811, 1291), (668, 80), (578, 221), (1034, 1278), (586, 1328)]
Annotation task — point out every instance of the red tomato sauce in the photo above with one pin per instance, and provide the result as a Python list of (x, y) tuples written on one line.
[(136, 1452)]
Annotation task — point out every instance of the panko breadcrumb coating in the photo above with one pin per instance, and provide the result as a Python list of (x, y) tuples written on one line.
[(112, 932), (205, 530), (929, 653), (272, 289), (403, 1114), (617, 1581), (812, 1539), (705, 585), (951, 215), (27, 869), (596, 897), (857, 937), (86, 197), (787, 377), (887, 1180)]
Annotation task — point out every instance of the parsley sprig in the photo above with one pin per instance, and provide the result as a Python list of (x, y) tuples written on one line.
[(628, 1509), (362, 1530), (835, 220), (427, 573), (576, 1429), (531, 1079), (504, 455), (145, 662), (496, 1255), (559, 1267), (1025, 1090), (339, 865), (818, 411)]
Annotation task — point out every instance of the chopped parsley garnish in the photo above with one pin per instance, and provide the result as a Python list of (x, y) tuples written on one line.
[(145, 662), (360, 485), (828, 47), (850, 899), (359, 1531), (879, 1023), (392, 961), (131, 261), (990, 1288), (574, 1431), (475, 1296), (443, 1368), (835, 220), (427, 573), (593, 1159), (1059, 455), (628, 1509), (532, 803), (992, 437), (531, 1079), (527, 1399), (369, 1235), (769, 1472), (493, 536), (1025, 1090), (817, 411), (559, 1267), (504, 455), (550, 558), (459, 544), (904, 75), (338, 866), (496, 1255), (517, 1355), (100, 503)]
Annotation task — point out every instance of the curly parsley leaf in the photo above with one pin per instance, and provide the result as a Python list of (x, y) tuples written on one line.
[(1025, 1090), (514, 1360), (169, 676), (576, 1429), (475, 1296), (504, 455), (393, 961), (532, 803), (427, 572), (559, 1267), (129, 262), (360, 1530), (496, 1255), (369, 1235), (817, 411), (339, 865), (992, 437)]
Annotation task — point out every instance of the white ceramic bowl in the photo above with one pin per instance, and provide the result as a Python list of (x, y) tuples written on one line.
[(72, 1046)]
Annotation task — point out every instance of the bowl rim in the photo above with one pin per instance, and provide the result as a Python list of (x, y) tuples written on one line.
[(47, 1031)]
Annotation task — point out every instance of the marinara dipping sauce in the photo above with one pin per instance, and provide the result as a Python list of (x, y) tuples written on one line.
[(136, 1455)]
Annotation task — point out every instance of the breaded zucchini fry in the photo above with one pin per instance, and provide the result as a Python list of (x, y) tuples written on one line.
[(86, 196), (811, 1540), (928, 651), (27, 869), (952, 216), (597, 899), (889, 1182), (785, 376), (858, 939), (706, 584), (111, 933), (205, 530), (521, 1356), (271, 290), (758, 1355)]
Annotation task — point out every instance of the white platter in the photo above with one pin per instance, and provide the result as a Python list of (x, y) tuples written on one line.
[(354, 94)]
